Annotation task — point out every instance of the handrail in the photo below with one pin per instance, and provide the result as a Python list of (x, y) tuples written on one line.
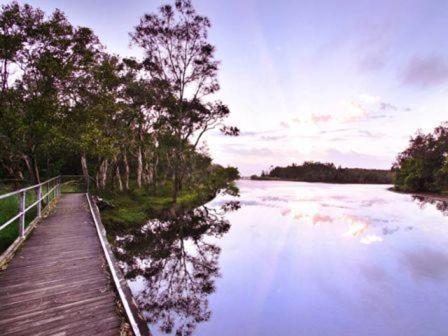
[(23, 209), (138, 325), (28, 188)]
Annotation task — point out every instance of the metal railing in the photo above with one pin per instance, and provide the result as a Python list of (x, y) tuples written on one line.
[(45, 193), (37, 198), (48, 191)]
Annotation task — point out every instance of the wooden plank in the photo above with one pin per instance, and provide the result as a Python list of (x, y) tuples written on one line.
[(107, 326), (57, 283), (48, 322), (25, 306), (84, 306), (43, 283)]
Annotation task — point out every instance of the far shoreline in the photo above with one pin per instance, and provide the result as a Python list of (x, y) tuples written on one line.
[(433, 196), (294, 180)]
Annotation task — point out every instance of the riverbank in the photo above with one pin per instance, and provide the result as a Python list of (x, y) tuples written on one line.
[(433, 196), (124, 211)]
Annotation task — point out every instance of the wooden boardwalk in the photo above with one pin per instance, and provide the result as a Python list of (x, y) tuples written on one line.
[(58, 284)]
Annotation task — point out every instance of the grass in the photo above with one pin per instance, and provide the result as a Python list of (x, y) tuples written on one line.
[(73, 186), (9, 207), (130, 208), (135, 207)]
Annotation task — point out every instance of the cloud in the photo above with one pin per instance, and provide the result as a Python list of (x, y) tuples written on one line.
[(425, 72), (369, 134), (248, 133), (349, 133), (284, 124), (257, 133), (355, 159), (371, 62), (367, 107), (273, 137), (387, 106), (361, 108), (316, 118)]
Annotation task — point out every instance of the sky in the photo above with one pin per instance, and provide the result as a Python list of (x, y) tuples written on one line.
[(345, 81)]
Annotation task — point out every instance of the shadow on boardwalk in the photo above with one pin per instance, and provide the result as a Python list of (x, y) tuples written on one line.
[(57, 283)]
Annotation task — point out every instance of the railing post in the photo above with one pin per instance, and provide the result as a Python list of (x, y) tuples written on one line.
[(48, 192), (39, 198), (22, 202)]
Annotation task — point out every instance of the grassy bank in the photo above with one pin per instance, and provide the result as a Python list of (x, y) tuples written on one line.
[(9, 207), (124, 211), (442, 196)]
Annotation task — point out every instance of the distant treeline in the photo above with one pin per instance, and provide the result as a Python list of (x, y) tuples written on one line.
[(423, 166), (327, 172)]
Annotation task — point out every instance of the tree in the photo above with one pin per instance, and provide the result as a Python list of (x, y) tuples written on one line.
[(68, 106), (423, 166), (180, 58)]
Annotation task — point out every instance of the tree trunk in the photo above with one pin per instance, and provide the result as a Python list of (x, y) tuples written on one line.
[(126, 170), (30, 169), (154, 173), (103, 174), (85, 170), (175, 183), (36, 171), (118, 177), (9, 169), (147, 175), (139, 167), (19, 174)]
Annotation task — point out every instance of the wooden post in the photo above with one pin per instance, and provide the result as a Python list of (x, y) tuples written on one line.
[(22, 199), (39, 198)]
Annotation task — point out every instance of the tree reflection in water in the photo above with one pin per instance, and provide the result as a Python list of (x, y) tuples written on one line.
[(440, 205), (177, 262)]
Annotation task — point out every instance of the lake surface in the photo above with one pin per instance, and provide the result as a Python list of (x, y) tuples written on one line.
[(295, 259)]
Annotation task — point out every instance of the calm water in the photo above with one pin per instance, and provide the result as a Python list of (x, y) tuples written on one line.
[(295, 259)]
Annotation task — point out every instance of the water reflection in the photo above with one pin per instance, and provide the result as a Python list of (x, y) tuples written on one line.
[(331, 260), (440, 204), (427, 263), (172, 265)]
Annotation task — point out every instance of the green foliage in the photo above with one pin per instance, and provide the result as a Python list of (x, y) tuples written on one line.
[(9, 207), (67, 106), (423, 166), (134, 207), (327, 172)]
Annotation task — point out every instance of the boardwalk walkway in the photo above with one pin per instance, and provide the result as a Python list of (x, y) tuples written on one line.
[(57, 283)]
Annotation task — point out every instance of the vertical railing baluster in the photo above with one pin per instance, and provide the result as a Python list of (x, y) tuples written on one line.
[(22, 204), (39, 199), (48, 192)]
